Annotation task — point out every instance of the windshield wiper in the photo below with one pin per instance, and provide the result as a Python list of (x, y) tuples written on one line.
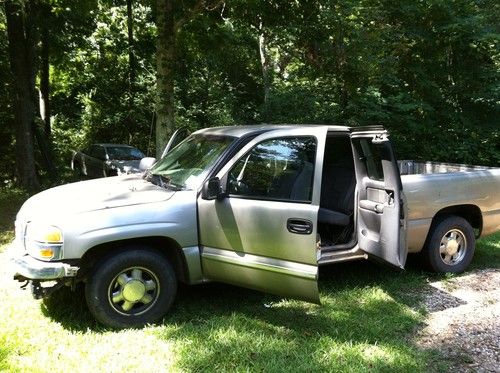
[(160, 180), (147, 175)]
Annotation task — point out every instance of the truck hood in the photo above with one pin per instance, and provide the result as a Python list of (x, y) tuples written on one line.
[(93, 195)]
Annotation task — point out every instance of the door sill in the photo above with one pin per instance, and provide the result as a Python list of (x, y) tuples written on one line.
[(335, 255), (339, 247)]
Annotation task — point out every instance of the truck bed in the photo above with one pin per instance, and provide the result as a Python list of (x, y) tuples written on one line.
[(409, 167), (432, 187)]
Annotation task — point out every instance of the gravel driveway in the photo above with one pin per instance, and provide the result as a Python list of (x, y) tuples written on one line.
[(464, 321)]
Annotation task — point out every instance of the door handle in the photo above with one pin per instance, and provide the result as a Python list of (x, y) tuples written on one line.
[(299, 226), (372, 206)]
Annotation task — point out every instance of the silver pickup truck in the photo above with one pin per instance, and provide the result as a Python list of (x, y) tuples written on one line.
[(256, 206)]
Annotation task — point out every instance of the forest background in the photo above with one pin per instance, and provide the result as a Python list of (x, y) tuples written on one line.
[(128, 71)]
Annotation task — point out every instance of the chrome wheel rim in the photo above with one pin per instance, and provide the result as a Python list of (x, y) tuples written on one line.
[(133, 291), (453, 247)]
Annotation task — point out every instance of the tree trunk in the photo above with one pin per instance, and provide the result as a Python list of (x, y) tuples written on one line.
[(343, 92), (131, 123), (165, 59), (21, 52), (131, 56), (167, 27), (45, 77), (42, 132), (265, 62), (44, 138)]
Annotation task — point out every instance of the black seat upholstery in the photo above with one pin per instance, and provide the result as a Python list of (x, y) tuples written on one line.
[(331, 217), (337, 193), (294, 183)]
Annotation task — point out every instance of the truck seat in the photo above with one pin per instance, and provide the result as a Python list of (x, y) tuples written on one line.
[(337, 193), (332, 217), (295, 183)]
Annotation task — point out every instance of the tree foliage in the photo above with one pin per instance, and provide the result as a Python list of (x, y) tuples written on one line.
[(427, 70)]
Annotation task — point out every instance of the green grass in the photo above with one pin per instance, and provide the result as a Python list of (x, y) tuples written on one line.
[(367, 322)]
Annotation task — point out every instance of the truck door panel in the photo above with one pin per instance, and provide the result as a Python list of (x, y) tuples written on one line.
[(250, 246), (380, 199), (262, 235)]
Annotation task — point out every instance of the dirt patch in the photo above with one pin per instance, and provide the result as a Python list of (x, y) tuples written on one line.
[(464, 321)]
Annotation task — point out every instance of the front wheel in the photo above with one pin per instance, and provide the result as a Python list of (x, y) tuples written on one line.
[(450, 246), (131, 288)]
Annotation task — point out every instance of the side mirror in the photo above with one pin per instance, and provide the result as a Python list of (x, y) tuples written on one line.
[(146, 163), (211, 189)]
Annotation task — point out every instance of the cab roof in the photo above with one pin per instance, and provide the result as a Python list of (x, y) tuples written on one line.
[(240, 131)]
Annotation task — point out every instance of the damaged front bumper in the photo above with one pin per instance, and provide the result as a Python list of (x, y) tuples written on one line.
[(53, 275), (29, 268)]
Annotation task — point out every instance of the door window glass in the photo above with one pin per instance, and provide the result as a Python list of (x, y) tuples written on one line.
[(372, 157), (280, 169)]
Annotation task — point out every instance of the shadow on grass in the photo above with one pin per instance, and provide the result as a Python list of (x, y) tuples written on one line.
[(357, 327), (70, 310), (368, 320)]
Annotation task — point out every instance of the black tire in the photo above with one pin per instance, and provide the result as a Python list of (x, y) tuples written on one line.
[(450, 245), (115, 284)]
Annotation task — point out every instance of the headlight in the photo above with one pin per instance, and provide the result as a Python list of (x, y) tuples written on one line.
[(44, 242)]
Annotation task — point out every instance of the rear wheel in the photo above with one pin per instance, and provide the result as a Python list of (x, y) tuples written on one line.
[(450, 246), (131, 289)]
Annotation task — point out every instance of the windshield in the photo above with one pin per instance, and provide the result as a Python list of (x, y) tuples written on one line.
[(124, 153), (187, 165)]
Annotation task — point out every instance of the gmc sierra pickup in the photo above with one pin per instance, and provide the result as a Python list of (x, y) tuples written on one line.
[(256, 206)]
